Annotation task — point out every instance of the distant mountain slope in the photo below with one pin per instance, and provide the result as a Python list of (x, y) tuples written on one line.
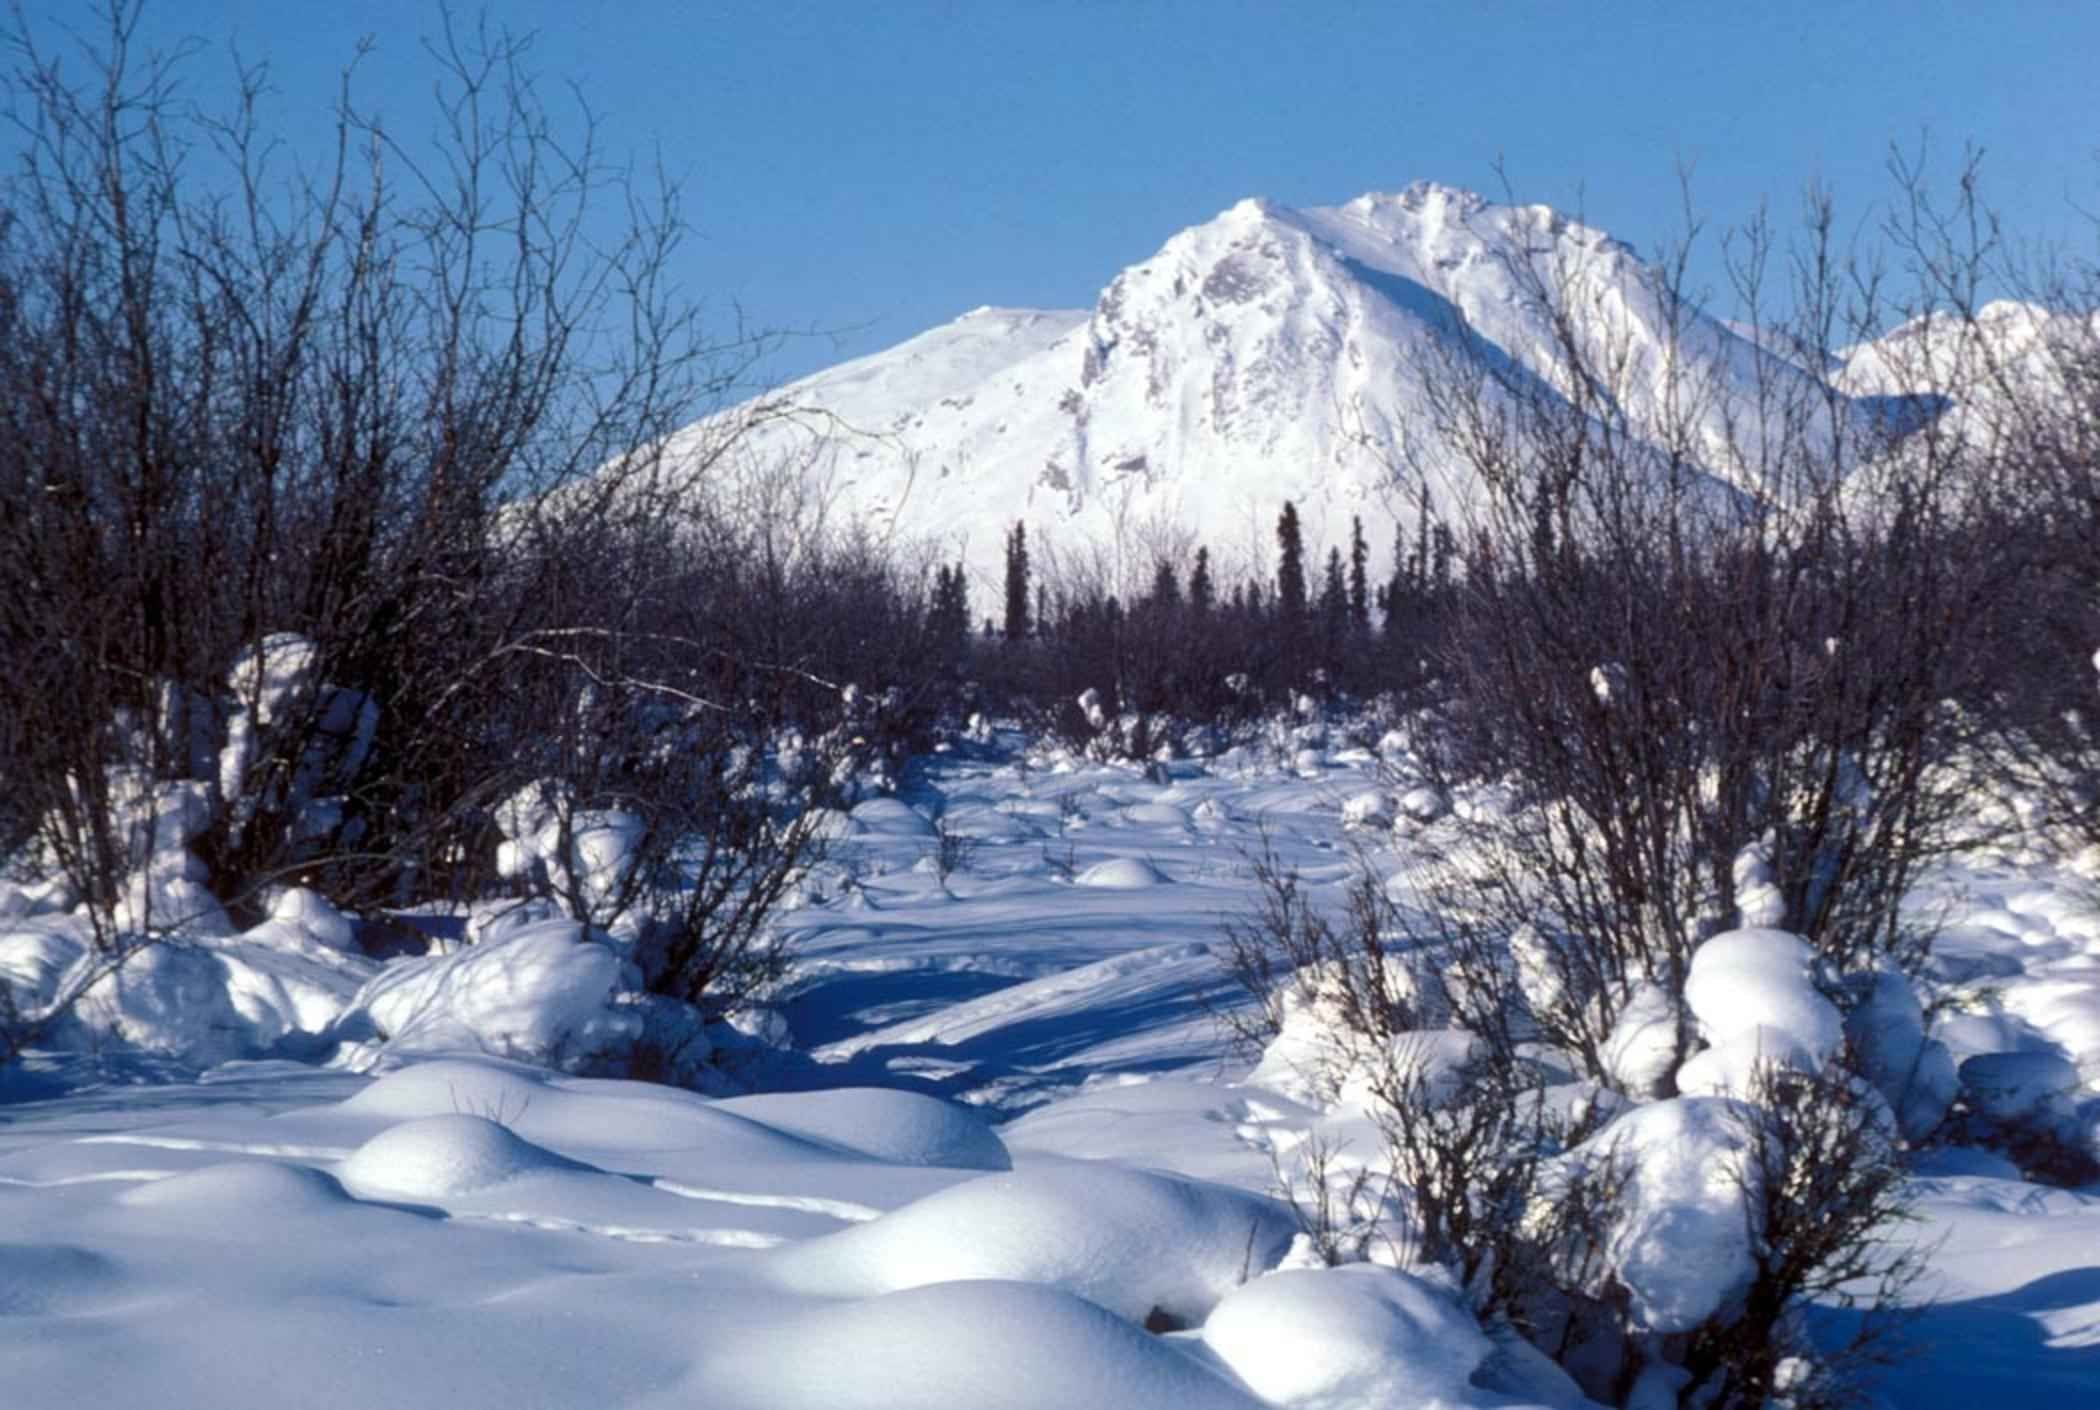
[(1267, 354), (1985, 377)]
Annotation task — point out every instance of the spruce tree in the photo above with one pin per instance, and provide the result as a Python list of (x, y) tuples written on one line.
[(1017, 583), (1290, 566), (948, 620), (1359, 578), (1202, 592), (1334, 603), (1166, 588)]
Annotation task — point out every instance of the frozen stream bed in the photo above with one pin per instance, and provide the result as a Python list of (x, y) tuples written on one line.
[(1016, 1166)]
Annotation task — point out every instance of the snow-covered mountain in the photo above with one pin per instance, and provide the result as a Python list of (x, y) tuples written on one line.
[(1267, 354), (1986, 376)]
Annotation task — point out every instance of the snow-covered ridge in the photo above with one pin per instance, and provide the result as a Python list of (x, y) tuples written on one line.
[(1269, 353)]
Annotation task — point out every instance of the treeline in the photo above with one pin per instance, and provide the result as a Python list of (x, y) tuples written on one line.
[(1193, 648)]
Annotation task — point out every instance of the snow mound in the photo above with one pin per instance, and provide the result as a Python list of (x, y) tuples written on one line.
[(200, 1002), (1130, 1240), (308, 914), (283, 983), (1429, 1063), (38, 1280), (36, 952), (1745, 980), (248, 1187), (1371, 808), (2017, 1086), (605, 1115), (888, 817), (1357, 1335), (1122, 874), (171, 998), (1914, 1074), (1164, 817), (589, 853), (1738, 1064), (543, 994), (904, 1128), (1315, 1059), (832, 825), (446, 1086), (962, 1346), (436, 1156), (1422, 804), (1643, 1043)]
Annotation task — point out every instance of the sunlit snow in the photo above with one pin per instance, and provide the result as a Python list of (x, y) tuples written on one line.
[(1009, 1160)]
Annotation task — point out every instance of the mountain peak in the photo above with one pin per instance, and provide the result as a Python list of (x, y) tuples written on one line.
[(1251, 209), (1270, 353), (1419, 198)]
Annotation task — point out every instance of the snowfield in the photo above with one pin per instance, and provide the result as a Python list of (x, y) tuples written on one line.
[(988, 1150)]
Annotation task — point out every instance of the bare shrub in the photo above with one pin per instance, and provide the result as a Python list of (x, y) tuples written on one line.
[(1824, 1193), (1347, 1208), (1500, 1170), (952, 849), (1289, 951), (349, 497), (1715, 652)]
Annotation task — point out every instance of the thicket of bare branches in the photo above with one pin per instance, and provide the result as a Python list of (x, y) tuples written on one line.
[(1722, 657), (338, 498), (1705, 662)]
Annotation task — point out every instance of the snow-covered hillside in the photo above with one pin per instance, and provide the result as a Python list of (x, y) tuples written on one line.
[(2010, 361), (1264, 355)]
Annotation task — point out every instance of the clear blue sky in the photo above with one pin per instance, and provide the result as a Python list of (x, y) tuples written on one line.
[(876, 167)]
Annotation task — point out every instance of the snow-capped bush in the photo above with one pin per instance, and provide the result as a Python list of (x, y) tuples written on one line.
[(1660, 1225), (1421, 804), (1372, 807), (1755, 999), (2025, 1103), (1675, 1220), (1915, 1074), (545, 992)]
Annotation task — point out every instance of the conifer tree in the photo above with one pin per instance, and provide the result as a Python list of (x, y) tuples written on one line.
[(1405, 579), (1359, 580), (949, 618), (1290, 566), (1017, 583), (1334, 604), (1166, 588), (1202, 592)]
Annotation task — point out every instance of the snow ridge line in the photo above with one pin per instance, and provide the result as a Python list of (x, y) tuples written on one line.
[(718, 1238), (808, 1204), (192, 1143)]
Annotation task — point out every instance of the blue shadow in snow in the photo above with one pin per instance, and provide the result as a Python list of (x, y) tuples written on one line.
[(1990, 1350)]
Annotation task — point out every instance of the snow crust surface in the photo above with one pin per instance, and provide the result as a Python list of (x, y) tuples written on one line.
[(1015, 1164)]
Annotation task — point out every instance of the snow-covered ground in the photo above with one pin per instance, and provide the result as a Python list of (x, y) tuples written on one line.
[(1011, 1162)]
